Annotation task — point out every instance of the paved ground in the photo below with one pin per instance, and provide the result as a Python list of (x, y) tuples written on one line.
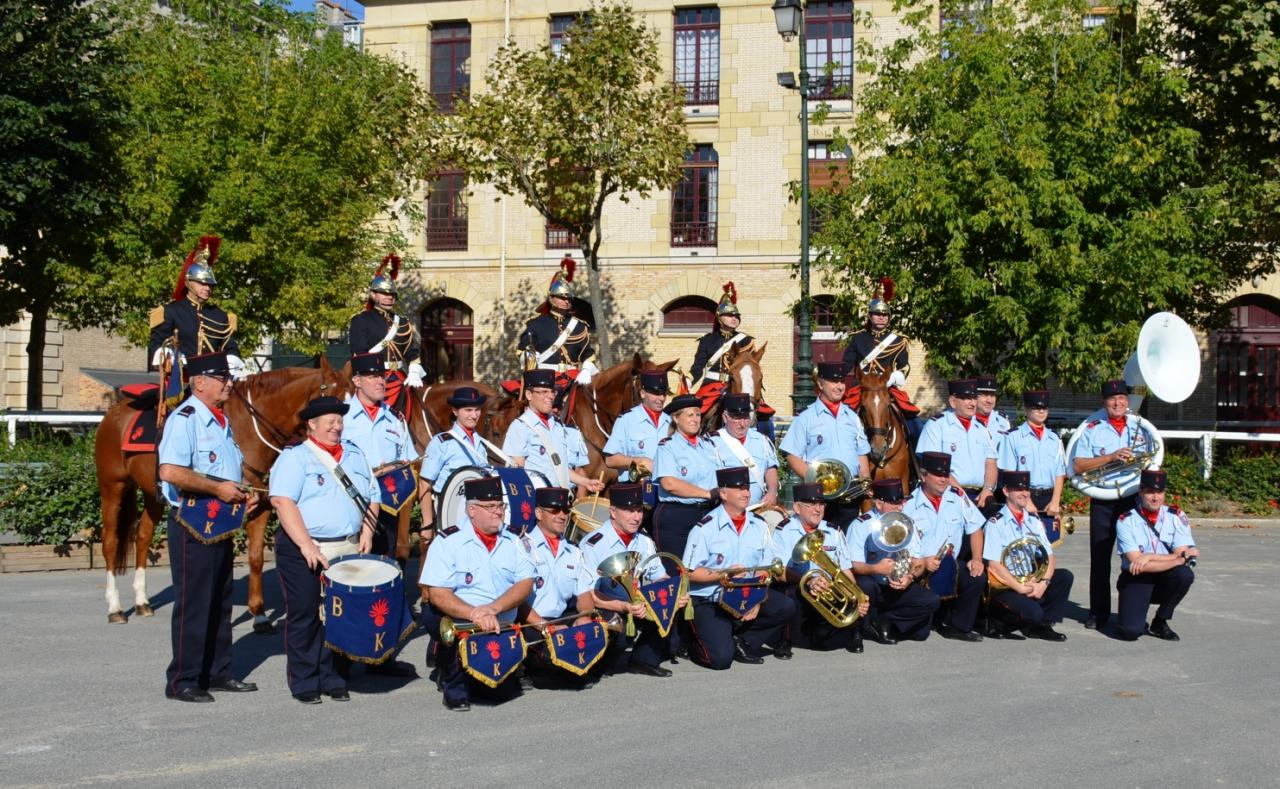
[(82, 705)]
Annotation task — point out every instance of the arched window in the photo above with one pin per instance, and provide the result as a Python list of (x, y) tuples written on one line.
[(824, 338), (1249, 361), (447, 341), (689, 314)]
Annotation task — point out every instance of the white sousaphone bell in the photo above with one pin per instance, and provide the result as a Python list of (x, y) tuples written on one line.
[(1166, 365)]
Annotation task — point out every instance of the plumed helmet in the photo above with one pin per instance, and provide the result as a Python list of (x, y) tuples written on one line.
[(198, 267), (728, 301), (560, 281), (880, 299), (384, 279), (201, 272)]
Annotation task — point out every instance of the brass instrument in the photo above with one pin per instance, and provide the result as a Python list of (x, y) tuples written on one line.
[(1100, 475), (839, 603), (927, 583), (839, 484), (612, 622), (891, 533), (638, 472), (450, 631), (774, 569), (1026, 559), (621, 569), (1065, 528)]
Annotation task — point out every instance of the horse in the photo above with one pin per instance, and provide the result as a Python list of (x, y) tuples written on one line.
[(886, 428), (263, 413), (744, 375)]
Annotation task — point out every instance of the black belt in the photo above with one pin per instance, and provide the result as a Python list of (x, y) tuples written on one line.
[(706, 506), (334, 539), (1042, 490), (976, 490)]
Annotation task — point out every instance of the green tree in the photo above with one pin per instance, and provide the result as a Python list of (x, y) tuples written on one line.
[(568, 131), (59, 61), (250, 123), (1036, 193)]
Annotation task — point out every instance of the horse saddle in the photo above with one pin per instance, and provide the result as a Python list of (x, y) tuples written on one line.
[(143, 433)]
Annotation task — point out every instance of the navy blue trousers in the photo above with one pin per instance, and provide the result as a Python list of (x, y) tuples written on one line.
[(714, 629), (961, 611), (1022, 611), (309, 666), (910, 611), (201, 624), (1137, 592), (454, 682), (1102, 546), (672, 523)]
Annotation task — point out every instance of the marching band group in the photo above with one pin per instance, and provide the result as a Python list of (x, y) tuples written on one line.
[(695, 559)]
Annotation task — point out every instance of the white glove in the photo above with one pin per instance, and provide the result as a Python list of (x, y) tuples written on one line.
[(896, 378), (586, 372), (239, 370), (417, 375)]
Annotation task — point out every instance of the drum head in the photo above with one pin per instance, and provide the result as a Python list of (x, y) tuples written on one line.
[(451, 505), (588, 515), (773, 518), (363, 572)]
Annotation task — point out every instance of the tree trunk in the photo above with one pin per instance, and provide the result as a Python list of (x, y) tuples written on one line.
[(605, 351), (35, 355)]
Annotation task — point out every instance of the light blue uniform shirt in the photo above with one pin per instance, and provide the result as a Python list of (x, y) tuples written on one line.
[(788, 535), (1100, 438), (760, 453), (816, 434), (327, 511), (384, 439), (605, 542), (1133, 533), (459, 561), (692, 463), (997, 427), (969, 449), (1003, 528), (194, 439), (635, 435), (578, 456), (558, 578), (955, 518), (1043, 457), (528, 438), (447, 452), (716, 544), (863, 549)]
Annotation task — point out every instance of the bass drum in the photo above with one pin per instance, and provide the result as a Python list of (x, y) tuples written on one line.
[(518, 485), (587, 515), (773, 517), (1123, 482)]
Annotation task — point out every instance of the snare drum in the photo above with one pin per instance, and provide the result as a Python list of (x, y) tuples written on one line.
[(365, 615), (586, 516)]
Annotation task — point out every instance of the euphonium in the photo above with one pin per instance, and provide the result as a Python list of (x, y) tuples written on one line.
[(839, 603), (891, 533), (1026, 559)]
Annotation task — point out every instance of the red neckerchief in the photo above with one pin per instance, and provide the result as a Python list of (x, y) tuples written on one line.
[(693, 440), (740, 522), (372, 410), (808, 529), (1039, 431), (1119, 424), (654, 416), (1150, 516), (335, 450), (626, 538), (936, 502), (218, 415), (965, 423), (552, 542), (1018, 516), (546, 419), (983, 419), (490, 540), (471, 434), (834, 408)]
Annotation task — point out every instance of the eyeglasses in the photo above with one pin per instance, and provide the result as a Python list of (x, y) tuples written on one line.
[(496, 506), (556, 510)]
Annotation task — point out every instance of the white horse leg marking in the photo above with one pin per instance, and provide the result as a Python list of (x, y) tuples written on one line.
[(140, 587), (748, 379), (113, 597)]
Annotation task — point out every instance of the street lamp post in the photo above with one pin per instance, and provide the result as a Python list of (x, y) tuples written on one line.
[(789, 16)]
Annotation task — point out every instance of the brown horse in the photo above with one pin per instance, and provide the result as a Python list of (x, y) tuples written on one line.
[(264, 417), (745, 375), (886, 428)]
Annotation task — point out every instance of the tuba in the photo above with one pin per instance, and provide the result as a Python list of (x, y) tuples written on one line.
[(891, 533), (840, 602), (1026, 559), (839, 484)]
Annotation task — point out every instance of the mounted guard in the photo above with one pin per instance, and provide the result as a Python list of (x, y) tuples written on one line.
[(878, 349), (556, 340), (378, 328)]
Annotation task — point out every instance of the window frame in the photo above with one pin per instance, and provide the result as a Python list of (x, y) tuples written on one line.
[(701, 174), (704, 87)]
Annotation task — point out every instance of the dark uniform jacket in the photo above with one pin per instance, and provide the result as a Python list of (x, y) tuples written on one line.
[(893, 357), (708, 344), (201, 330), (369, 327), (541, 333)]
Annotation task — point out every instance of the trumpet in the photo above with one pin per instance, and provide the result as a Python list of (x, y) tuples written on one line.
[(840, 601), (612, 622), (774, 569)]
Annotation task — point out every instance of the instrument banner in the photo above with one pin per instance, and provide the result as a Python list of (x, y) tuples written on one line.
[(576, 649), (739, 600), (209, 518), (398, 487), (520, 493), (1052, 530), (365, 615), (660, 601), (649, 493), (944, 580), (491, 657)]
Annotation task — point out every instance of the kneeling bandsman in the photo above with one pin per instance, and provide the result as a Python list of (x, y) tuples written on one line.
[(1156, 556), (808, 627), (1035, 604), (476, 572), (735, 612), (899, 606), (621, 532)]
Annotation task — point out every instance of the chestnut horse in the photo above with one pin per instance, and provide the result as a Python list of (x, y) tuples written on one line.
[(886, 428), (745, 375), (264, 417)]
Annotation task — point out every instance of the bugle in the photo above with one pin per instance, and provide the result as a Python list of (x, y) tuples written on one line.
[(451, 631), (774, 569), (840, 601), (611, 622)]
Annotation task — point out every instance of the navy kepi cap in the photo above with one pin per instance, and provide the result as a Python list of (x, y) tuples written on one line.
[(807, 492), (367, 364), (1154, 480), (832, 371), (737, 404), (1114, 387), (484, 489), (553, 497), (654, 381), (1016, 480), (466, 396), (1035, 398), (208, 364), (962, 387), (888, 489), (627, 496), (735, 477), (936, 463), (544, 379)]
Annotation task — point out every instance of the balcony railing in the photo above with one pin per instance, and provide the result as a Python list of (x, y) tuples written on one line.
[(693, 234), (559, 238), (446, 235), (700, 92)]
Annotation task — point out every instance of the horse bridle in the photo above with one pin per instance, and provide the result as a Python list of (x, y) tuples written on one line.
[(890, 434)]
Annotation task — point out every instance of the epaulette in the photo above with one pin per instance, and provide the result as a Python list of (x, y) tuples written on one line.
[(663, 441), (1126, 513), (783, 523), (939, 416), (993, 519), (595, 538), (705, 519), (156, 317), (449, 531), (445, 436), (296, 443), (1094, 423), (186, 410), (1174, 510)]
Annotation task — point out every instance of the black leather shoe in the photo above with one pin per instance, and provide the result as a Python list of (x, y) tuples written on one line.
[(1161, 630), (195, 695), (742, 655), (526, 683), (1045, 633), (782, 651), (394, 668), (338, 694), (855, 644), (457, 705), (950, 632), (1095, 622), (308, 697), (646, 670), (881, 634), (234, 686)]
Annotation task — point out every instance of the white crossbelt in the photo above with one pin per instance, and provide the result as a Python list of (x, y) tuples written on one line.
[(876, 351), (560, 341), (557, 463)]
